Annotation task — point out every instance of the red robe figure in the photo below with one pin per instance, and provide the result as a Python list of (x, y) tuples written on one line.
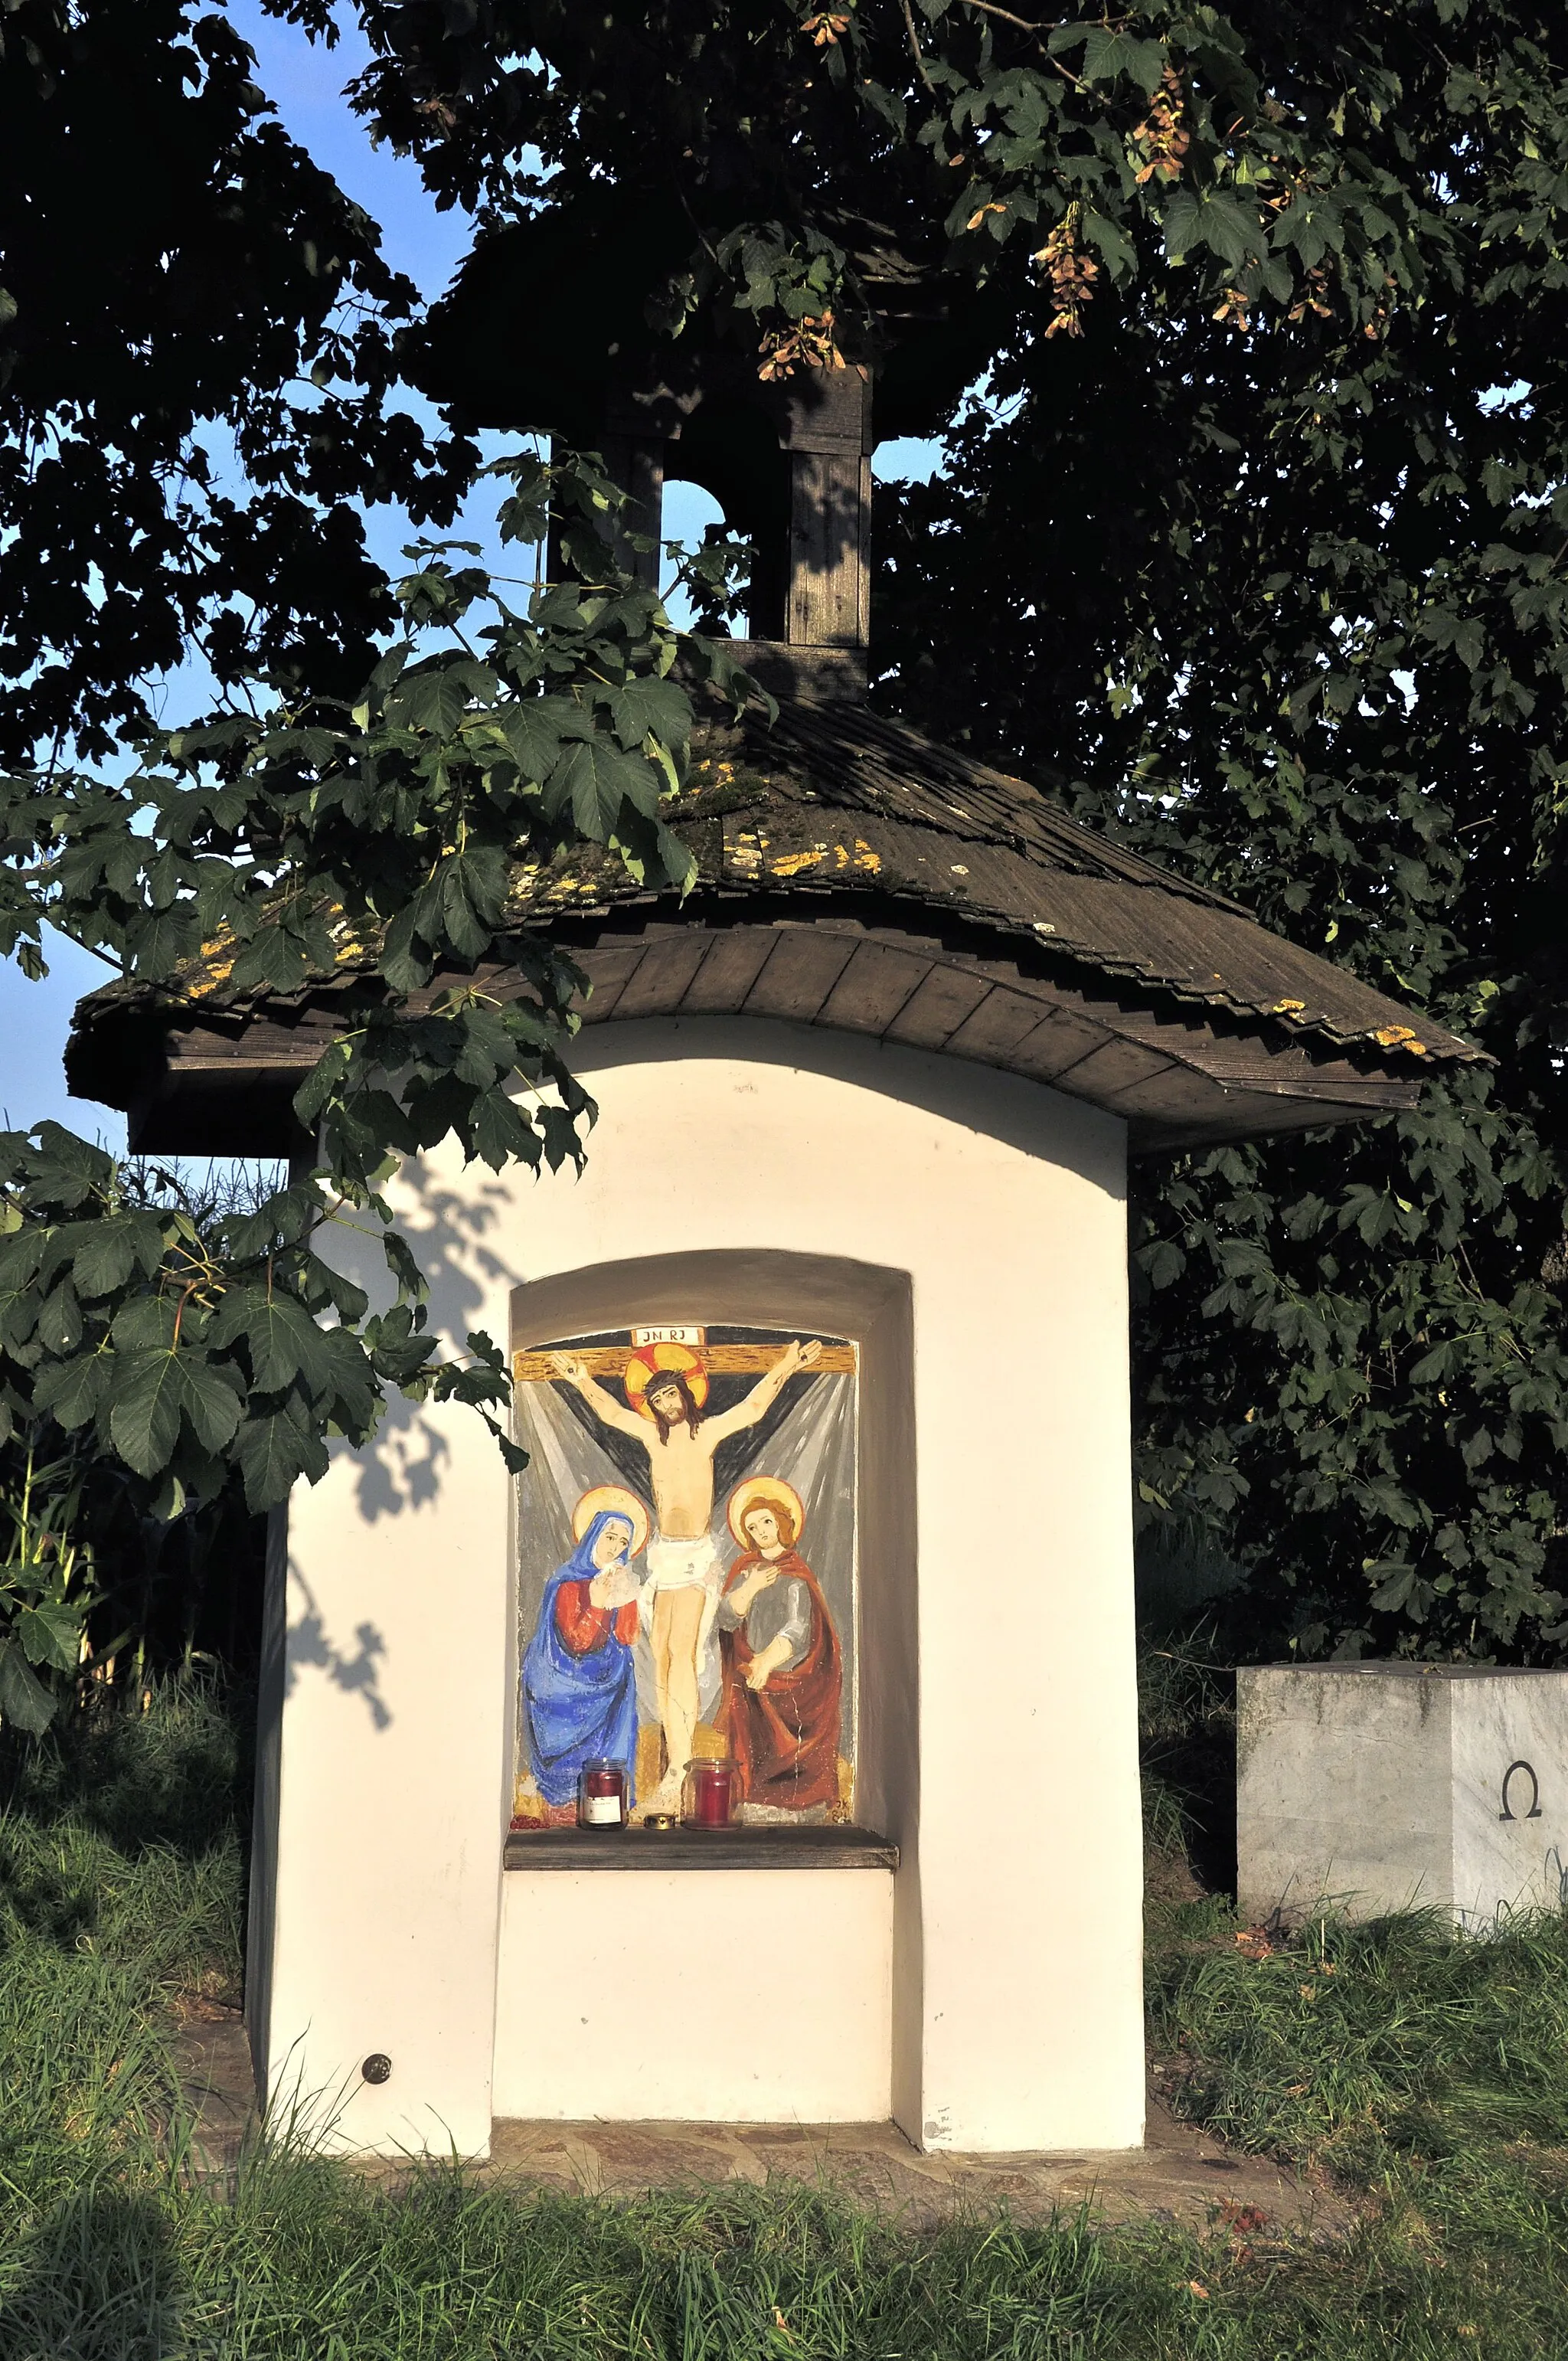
[(783, 1667)]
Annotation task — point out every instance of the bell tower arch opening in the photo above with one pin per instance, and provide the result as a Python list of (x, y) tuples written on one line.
[(691, 512)]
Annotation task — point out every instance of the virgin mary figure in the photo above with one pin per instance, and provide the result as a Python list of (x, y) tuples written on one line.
[(579, 1684)]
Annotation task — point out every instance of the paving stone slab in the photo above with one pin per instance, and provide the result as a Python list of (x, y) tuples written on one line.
[(1179, 2175)]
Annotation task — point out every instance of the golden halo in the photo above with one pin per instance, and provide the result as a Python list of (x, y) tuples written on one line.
[(649, 1360), (774, 1493), (622, 1503)]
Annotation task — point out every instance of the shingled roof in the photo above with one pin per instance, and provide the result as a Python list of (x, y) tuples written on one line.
[(855, 875)]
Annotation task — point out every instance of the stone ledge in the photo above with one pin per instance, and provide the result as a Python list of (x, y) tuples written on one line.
[(834, 1846), (1183, 2175)]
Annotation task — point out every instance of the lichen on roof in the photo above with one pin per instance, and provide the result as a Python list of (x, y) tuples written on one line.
[(833, 803)]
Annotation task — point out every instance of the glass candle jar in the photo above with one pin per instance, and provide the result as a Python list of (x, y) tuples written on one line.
[(712, 1795), (601, 1794)]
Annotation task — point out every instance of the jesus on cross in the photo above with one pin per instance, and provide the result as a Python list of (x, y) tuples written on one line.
[(684, 1576)]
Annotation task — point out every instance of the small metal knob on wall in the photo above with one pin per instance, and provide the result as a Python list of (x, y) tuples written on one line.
[(377, 2067)]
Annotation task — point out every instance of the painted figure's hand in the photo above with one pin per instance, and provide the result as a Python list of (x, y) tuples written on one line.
[(765, 1663), (567, 1365), (809, 1353), (746, 1590), (615, 1587)]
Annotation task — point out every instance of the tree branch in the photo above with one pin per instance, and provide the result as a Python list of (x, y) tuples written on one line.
[(915, 46), (989, 8)]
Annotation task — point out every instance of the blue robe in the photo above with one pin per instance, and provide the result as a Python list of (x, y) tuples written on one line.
[(575, 1707)]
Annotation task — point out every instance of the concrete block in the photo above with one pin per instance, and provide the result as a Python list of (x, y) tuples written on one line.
[(1380, 1787)]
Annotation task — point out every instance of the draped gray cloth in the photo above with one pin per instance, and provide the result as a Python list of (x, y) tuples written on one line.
[(811, 1445)]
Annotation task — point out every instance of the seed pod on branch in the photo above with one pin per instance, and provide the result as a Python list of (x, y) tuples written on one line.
[(1162, 138), (1071, 271)]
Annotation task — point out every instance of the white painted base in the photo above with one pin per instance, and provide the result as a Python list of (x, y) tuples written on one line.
[(741, 1996), (1385, 1788)]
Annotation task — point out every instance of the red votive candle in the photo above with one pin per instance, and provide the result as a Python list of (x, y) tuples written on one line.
[(601, 1794), (709, 1789)]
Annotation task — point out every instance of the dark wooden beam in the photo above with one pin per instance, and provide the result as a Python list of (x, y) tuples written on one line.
[(835, 1845)]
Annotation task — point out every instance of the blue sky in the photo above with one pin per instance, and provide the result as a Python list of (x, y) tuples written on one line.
[(306, 84)]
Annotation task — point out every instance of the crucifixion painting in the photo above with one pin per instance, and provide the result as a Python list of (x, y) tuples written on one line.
[(687, 1564)]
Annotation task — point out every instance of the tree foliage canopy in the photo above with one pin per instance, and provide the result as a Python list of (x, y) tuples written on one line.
[(1286, 603), (1258, 151), (198, 378), (1254, 550), (388, 828)]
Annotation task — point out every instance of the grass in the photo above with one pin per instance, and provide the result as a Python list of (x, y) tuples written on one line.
[(1186, 1744), (1422, 2074)]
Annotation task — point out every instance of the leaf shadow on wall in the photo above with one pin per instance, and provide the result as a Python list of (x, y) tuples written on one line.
[(358, 1675), (451, 1231), (401, 1468)]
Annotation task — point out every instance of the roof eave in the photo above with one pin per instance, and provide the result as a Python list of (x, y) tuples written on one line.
[(218, 1080)]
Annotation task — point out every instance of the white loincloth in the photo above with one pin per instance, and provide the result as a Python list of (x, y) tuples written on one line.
[(688, 1566)]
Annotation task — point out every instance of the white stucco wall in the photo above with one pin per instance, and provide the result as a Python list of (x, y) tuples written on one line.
[(759, 1996), (1015, 2009)]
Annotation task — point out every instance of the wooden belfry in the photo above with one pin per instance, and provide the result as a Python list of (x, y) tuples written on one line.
[(875, 1079), (787, 456), (795, 460)]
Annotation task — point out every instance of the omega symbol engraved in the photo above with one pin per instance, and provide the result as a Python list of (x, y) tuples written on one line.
[(1526, 1771)]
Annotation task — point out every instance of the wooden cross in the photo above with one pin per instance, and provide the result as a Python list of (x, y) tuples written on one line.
[(533, 1367)]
